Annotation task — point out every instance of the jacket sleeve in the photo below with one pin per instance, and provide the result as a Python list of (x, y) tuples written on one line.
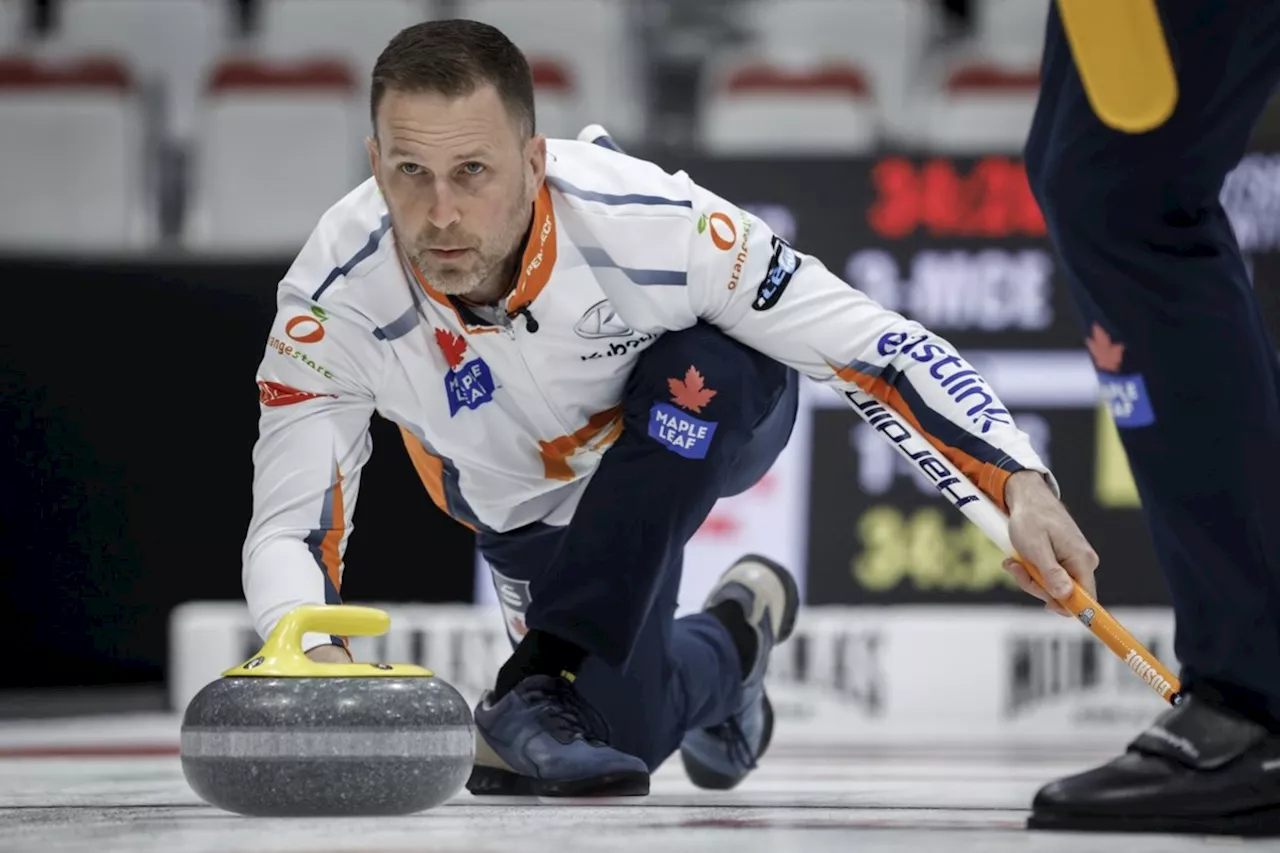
[(316, 385), (747, 281)]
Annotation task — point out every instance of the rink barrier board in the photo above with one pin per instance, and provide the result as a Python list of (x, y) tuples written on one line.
[(848, 675)]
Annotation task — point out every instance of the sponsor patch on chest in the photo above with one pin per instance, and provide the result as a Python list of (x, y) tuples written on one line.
[(468, 384)]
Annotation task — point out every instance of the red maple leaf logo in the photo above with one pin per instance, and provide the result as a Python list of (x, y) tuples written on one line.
[(1107, 355), (453, 346), (690, 393)]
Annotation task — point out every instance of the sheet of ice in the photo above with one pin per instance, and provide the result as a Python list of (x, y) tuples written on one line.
[(799, 801)]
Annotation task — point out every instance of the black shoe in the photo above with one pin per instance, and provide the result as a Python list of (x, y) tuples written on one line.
[(721, 756), (1200, 769), (543, 739)]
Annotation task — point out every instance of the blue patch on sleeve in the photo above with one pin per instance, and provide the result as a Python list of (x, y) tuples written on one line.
[(680, 432), (1126, 397)]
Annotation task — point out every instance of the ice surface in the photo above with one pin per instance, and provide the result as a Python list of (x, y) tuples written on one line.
[(810, 799)]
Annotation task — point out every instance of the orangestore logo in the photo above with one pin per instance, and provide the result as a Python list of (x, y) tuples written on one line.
[(723, 232), (307, 329)]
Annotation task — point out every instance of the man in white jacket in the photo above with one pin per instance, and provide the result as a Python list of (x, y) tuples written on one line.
[(583, 354)]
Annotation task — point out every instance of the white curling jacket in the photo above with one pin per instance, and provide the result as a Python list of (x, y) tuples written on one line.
[(506, 424)]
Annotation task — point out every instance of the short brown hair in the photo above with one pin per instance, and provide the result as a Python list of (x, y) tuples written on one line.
[(454, 58)]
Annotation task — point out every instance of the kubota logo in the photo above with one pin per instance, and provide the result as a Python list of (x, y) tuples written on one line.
[(723, 232), (307, 329)]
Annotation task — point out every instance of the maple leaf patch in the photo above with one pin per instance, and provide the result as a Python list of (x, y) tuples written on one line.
[(453, 346), (690, 392), (1107, 354)]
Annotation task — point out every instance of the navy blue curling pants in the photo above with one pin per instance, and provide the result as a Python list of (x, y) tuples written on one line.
[(1175, 331), (609, 581)]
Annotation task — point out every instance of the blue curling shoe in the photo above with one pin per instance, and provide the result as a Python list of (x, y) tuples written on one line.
[(543, 739), (721, 756)]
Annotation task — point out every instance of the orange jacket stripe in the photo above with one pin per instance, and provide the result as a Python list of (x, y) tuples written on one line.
[(330, 545), (990, 479), (556, 453), (430, 470)]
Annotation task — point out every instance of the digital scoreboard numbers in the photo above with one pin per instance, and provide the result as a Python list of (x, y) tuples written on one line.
[(880, 534)]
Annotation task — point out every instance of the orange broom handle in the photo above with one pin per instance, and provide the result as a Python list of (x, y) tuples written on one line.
[(1114, 636)]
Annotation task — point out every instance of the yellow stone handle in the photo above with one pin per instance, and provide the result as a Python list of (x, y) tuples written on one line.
[(1123, 57), (282, 656)]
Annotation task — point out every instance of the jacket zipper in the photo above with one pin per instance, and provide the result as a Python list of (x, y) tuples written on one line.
[(509, 327)]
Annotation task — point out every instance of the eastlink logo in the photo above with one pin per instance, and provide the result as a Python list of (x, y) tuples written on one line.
[(962, 383), (920, 452)]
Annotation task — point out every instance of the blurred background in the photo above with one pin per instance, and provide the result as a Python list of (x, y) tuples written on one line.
[(162, 161)]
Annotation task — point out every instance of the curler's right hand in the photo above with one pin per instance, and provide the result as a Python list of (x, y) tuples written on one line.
[(329, 653)]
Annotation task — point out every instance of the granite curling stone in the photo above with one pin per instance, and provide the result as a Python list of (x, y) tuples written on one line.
[(282, 735)]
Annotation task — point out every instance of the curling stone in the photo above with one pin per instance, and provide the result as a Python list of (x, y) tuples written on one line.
[(282, 735)]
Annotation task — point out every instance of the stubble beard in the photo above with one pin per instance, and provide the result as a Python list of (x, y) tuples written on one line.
[(487, 263)]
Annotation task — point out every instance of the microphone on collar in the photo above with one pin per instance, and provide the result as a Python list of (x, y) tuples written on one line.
[(530, 323)]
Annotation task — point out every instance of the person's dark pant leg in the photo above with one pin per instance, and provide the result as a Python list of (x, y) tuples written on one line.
[(609, 582), (1175, 331), (683, 675), (692, 407)]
